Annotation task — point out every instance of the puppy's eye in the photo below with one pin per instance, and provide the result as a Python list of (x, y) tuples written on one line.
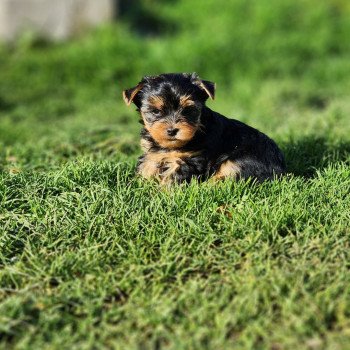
[(190, 112), (156, 112)]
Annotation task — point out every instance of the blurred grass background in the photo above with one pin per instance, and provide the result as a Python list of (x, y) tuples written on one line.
[(279, 60), (92, 257)]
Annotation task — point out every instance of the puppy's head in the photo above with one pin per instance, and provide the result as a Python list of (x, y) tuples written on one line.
[(171, 106)]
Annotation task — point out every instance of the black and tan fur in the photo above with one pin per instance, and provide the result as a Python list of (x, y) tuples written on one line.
[(183, 139)]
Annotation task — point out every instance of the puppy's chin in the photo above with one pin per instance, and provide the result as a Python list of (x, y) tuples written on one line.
[(172, 143)]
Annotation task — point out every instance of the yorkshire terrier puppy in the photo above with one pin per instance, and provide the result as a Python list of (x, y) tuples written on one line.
[(183, 139)]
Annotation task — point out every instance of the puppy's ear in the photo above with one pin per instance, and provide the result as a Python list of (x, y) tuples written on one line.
[(205, 85), (208, 87), (129, 94)]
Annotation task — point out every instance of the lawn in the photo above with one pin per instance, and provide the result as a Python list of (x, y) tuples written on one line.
[(93, 257)]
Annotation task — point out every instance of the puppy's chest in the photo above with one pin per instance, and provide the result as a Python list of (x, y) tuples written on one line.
[(172, 166)]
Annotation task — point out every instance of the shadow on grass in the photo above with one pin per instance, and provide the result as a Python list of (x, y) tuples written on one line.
[(305, 156), (144, 18)]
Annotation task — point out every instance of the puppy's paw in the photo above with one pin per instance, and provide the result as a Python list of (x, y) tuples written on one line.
[(168, 170)]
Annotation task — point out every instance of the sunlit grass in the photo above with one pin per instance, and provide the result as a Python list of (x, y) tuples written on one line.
[(93, 257)]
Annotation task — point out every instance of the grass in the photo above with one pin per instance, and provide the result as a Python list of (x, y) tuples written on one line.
[(93, 257)]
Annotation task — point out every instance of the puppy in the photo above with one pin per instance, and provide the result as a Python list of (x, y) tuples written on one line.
[(183, 139)]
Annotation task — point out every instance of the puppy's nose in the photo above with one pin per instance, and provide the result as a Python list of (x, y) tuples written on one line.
[(172, 131)]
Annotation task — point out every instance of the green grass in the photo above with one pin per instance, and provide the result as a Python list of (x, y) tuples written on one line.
[(93, 257)]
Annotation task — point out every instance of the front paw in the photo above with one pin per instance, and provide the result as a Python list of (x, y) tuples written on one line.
[(175, 172), (168, 170)]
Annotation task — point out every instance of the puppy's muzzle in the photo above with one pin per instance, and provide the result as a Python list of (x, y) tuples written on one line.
[(172, 131)]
